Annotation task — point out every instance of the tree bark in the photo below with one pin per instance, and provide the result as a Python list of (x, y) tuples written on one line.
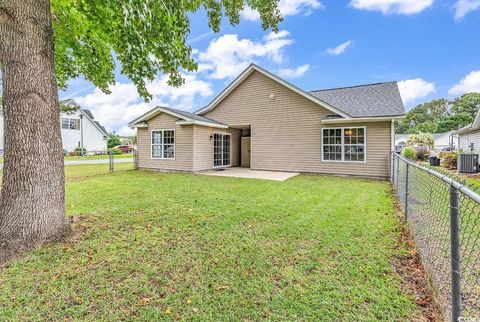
[(32, 204)]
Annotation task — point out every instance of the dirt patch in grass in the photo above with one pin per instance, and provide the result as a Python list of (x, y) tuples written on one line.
[(414, 277)]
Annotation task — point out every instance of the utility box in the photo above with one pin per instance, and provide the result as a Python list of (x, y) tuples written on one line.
[(468, 163)]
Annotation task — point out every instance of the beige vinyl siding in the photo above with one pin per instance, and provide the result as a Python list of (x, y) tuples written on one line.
[(286, 130), (203, 147), (183, 145)]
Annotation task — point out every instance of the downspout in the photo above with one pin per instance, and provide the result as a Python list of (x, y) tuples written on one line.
[(81, 134)]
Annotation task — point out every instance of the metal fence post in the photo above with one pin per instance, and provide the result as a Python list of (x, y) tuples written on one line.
[(398, 172), (135, 159), (455, 252), (392, 167), (110, 161), (406, 193)]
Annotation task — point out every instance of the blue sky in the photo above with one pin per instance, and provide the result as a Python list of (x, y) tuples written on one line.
[(430, 47)]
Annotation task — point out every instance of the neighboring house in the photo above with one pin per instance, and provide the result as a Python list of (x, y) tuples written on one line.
[(77, 127), (262, 122), (442, 140), (469, 136)]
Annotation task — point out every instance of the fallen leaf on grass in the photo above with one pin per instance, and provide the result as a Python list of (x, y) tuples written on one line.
[(168, 310), (222, 287), (144, 301)]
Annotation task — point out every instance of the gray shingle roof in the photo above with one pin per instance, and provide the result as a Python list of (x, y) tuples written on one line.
[(101, 127), (193, 116), (372, 100), (89, 113)]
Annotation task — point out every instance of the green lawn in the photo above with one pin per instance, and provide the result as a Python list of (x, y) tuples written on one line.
[(163, 246)]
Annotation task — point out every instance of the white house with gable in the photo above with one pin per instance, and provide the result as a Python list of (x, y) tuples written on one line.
[(79, 128)]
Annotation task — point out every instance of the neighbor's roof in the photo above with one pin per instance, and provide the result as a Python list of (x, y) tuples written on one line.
[(184, 117), (472, 127), (371, 100)]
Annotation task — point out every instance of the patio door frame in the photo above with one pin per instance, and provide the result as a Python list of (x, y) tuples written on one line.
[(222, 134)]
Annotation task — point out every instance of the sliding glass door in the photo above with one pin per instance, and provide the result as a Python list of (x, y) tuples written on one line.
[(221, 149)]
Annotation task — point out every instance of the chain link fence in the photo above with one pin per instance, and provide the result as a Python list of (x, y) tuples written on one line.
[(444, 216), (93, 163)]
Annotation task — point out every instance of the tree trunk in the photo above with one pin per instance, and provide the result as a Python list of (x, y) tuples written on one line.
[(32, 204)]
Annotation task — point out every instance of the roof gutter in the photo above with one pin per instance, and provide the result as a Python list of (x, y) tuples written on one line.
[(362, 119)]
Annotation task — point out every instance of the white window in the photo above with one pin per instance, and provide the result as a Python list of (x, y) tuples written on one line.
[(163, 144), (70, 124), (344, 144)]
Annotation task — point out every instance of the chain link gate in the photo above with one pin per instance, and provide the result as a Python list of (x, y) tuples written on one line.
[(444, 216)]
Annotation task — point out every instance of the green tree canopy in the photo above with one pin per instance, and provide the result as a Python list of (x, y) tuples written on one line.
[(424, 117), (452, 123), (467, 104), (113, 140), (146, 36)]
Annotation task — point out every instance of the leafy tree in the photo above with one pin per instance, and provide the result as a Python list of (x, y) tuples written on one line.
[(44, 43), (113, 140), (421, 140), (467, 104), (453, 123), (424, 117)]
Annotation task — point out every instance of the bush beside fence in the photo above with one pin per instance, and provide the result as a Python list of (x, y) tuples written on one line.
[(444, 216)]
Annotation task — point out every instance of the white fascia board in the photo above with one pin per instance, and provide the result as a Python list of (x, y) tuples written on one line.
[(137, 125), (253, 68), (362, 119), (196, 122)]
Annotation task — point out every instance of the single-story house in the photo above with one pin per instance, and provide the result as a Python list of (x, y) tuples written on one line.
[(262, 122), (469, 136), (79, 128), (442, 140)]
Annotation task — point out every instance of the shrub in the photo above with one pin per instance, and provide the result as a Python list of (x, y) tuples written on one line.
[(115, 151), (422, 152), (449, 159), (421, 140), (113, 140), (80, 151), (409, 153)]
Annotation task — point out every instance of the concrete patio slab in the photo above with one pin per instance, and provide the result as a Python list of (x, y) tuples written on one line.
[(237, 172)]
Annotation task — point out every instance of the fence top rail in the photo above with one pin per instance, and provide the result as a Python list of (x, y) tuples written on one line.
[(460, 187)]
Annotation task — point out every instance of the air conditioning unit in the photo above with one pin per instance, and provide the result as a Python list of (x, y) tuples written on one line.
[(468, 163)]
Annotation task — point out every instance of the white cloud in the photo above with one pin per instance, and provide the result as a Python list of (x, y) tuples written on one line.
[(227, 55), (470, 83), (340, 49), (287, 8), (405, 7), (116, 110), (463, 7), (293, 72), (413, 89)]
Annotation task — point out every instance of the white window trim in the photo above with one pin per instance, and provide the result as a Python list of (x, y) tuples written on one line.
[(174, 144), (343, 144), (230, 158), (69, 123)]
